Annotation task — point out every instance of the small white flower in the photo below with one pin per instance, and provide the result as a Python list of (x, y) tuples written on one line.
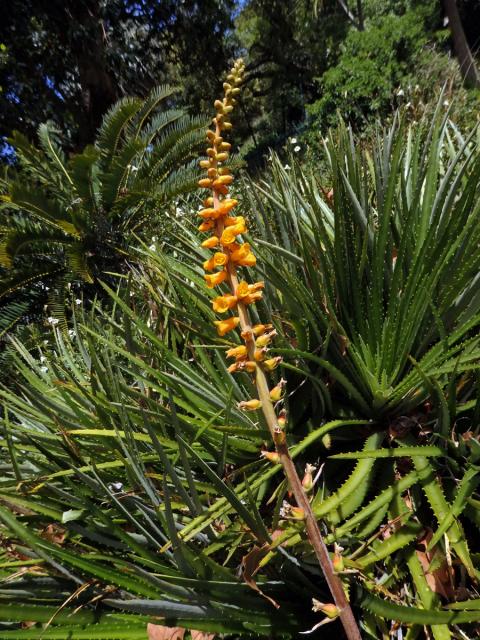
[(293, 141), (72, 333), (400, 92), (179, 212), (43, 359), (44, 369), (446, 103), (116, 486), (152, 247), (78, 301), (52, 321), (154, 238), (286, 167), (297, 148), (47, 288)]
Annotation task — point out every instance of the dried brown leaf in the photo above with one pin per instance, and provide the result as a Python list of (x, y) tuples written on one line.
[(159, 632)]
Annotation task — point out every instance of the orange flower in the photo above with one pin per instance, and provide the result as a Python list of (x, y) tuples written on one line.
[(205, 183), (249, 261), (229, 222), (260, 329), (252, 298), (219, 259), (240, 252), (259, 354), (229, 234), (237, 352), (209, 243), (207, 225), (245, 290), (243, 365), (227, 205), (222, 181), (208, 213), (223, 303), (224, 326), (215, 279)]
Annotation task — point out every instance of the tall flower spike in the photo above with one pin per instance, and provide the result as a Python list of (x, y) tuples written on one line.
[(226, 239)]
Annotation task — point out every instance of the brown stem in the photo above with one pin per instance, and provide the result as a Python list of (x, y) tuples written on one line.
[(278, 436)]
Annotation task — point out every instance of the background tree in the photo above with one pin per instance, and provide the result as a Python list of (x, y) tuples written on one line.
[(69, 61), (468, 68)]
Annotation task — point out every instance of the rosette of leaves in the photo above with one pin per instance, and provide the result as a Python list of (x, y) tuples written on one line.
[(66, 220)]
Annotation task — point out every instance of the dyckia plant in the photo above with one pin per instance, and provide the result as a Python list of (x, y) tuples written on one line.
[(250, 356)]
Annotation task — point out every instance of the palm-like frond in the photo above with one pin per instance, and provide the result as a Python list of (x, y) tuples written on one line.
[(87, 207)]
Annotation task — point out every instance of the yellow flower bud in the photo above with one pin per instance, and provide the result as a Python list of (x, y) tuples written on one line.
[(218, 104), (204, 164), (337, 560), (271, 456), (249, 405), (270, 365), (221, 157), (212, 173), (242, 365), (260, 329), (225, 146), (237, 352), (307, 481), (208, 202), (205, 183), (277, 392), (265, 340), (259, 354), (211, 152), (329, 609)]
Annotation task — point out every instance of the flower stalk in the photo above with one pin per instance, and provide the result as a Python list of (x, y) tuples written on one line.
[(250, 357)]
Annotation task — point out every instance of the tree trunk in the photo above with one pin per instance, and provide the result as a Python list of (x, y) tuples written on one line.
[(470, 75)]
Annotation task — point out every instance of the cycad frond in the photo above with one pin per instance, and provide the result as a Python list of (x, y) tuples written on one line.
[(113, 127), (150, 105)]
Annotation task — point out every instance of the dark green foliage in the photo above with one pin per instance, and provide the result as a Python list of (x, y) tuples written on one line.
[(373, 67), (67, 220)]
